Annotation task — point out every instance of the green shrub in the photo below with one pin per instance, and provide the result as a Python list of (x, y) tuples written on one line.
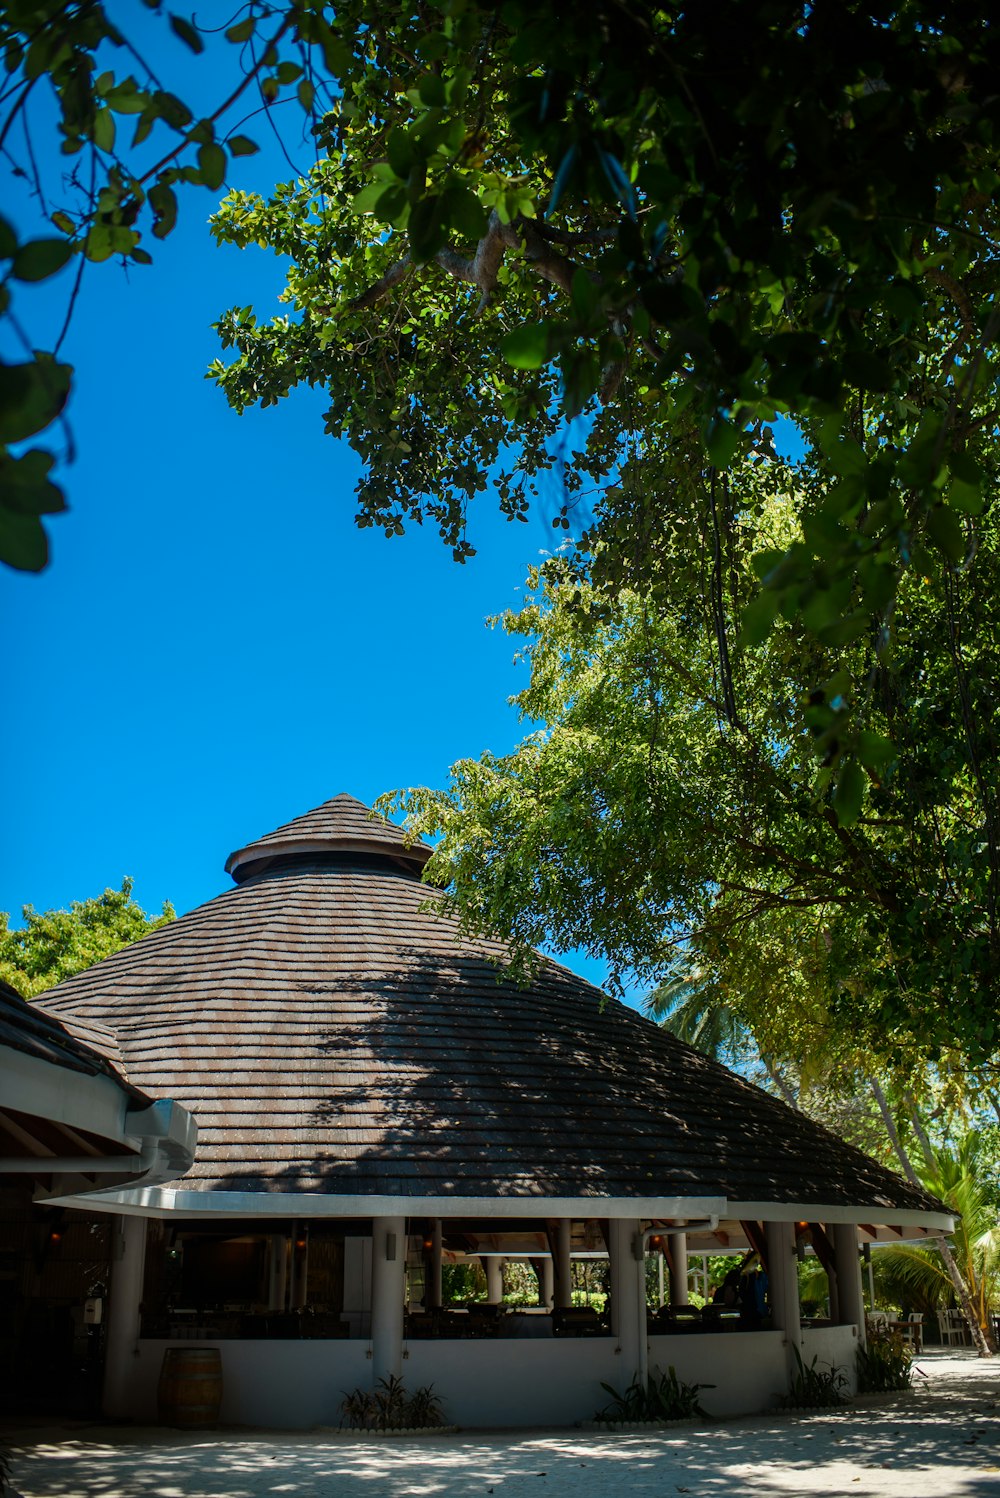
[(814, 1388), (389, 1407), (887, 1361), (665, 1397)]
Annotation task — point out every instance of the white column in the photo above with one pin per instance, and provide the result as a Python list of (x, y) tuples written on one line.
[(783, 1284), (388, 1292), (493, 1264), (563, 1271), (679, 1273), (850, 1295), (122, 1333), (628, 1297), (432, 1271), (546, 1287)]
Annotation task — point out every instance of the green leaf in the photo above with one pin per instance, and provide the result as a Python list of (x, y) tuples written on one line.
[(306, 94), (850, 793), (104, 130), (212, 162), (463, 210), (242, 145), (242, 31), (40, 258), (431, 90), (187, 33), (23, 543), (8, 240), (400, 149), (758, 619), (426, 228), (31, 396), (721, 443), (527, 347), (946, 533), (163, 201)]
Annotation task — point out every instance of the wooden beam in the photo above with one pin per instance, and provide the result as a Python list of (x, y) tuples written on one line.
[(824, 1249), (757, 1239)]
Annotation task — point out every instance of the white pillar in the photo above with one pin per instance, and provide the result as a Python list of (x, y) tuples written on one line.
[(563, 1271), (432, 1271), (783, 1284), (628, 1297), (679, 1273), (122, 1333), (850, 1295), (493, 1265), (546, 1287), (388, 1293)]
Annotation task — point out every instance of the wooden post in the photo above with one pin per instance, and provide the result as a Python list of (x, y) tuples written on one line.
[(278, 1275), (388, 1291)]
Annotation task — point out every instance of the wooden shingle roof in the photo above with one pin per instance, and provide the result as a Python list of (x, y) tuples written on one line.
[(341, 825), (331, 1035)]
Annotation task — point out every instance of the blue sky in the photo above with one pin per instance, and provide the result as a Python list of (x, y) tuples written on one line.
[(215, 648)]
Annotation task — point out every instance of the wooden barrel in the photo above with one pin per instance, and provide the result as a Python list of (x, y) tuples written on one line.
[(190, 1389)]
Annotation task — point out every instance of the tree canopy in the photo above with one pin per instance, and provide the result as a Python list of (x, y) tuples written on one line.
[(55, 944), (661, 811)]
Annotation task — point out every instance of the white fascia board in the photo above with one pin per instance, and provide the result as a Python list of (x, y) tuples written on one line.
[(161, 1137), (164, 1202), (940, 1222), (81, 1100)]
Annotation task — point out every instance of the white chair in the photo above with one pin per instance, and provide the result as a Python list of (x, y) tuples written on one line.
[(954, 1331)]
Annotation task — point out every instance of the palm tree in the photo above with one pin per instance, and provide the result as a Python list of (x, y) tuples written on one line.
[(957, 1177)]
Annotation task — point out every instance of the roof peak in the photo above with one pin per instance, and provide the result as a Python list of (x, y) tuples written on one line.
[(341, 825)]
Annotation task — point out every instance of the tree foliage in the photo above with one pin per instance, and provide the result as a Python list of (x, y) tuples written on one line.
[(590, 259), (674, 224), (55, 944), (651, 816)]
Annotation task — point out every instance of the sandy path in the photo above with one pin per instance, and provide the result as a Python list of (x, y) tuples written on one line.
[(942, 1442)]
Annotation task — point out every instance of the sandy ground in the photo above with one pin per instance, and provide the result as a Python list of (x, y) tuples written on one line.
[(942, 1441)]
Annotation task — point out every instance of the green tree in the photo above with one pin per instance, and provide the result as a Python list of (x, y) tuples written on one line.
[(56, 944), (649, 815), (524, 216)]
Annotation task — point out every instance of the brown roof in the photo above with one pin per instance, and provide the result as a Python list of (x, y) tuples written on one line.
[(333, 1036), (81, 1045), (343, 824)]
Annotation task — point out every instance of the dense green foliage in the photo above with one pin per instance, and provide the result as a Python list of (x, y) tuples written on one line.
[(648, 824), (58, 943), (674, 223)]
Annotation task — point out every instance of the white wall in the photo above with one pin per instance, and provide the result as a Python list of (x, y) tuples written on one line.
[(493, 1381), (747, 1368), (289, 1385), (837, 1345), (516, 1381)]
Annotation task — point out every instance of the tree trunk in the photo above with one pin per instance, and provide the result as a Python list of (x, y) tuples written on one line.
[(983, 1341)]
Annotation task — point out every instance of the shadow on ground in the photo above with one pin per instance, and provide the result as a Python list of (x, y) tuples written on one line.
[(943, 1440)]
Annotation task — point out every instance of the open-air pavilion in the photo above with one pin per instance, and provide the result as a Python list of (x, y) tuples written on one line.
[(374, 1098)]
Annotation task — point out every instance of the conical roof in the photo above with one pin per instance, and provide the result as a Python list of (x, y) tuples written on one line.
[(334, 1036), (341, 825)]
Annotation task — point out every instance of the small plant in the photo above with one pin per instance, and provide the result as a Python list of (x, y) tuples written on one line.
[(886, 1363), (814, 1388), (664, 1397), (388, 1407)]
